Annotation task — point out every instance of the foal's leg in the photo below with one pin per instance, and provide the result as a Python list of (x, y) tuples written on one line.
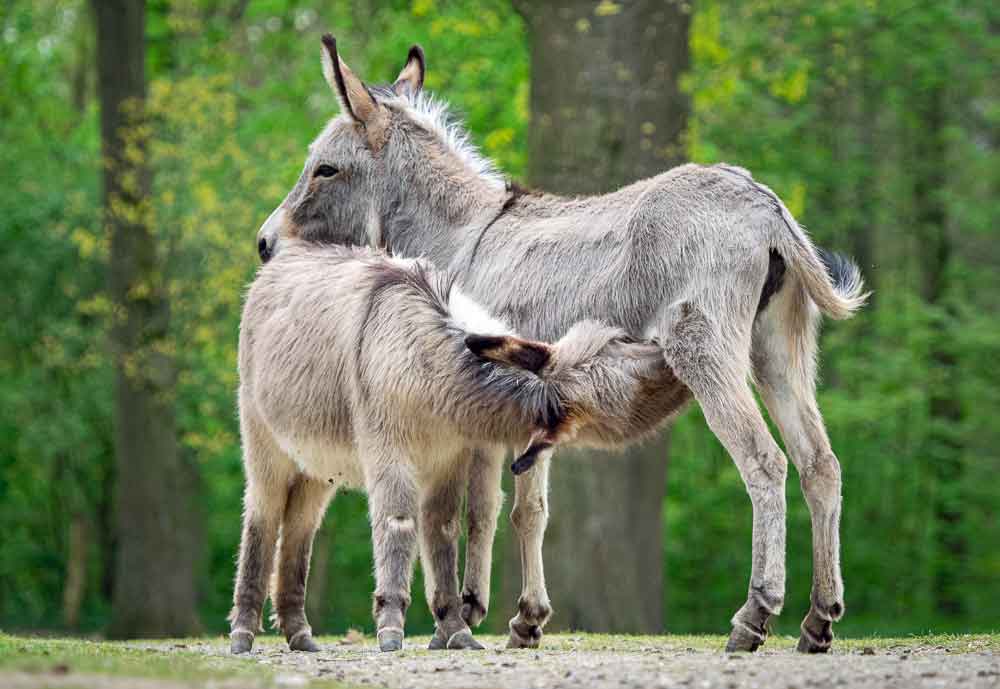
[(439, 530), (529, 517), (304, 509), (715, 365), (268, 472), (784, 355), (482, 509), (393, 510)]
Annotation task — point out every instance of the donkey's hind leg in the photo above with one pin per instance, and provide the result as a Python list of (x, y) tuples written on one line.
[(304, 510), (393, 510), (784, 354), (712, 359), (268, 471), (440, 522)]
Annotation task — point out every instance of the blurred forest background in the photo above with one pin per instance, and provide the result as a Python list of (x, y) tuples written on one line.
[(875, 120)]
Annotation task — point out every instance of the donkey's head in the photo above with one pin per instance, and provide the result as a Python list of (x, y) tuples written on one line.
[(612, 389), (390, 161)]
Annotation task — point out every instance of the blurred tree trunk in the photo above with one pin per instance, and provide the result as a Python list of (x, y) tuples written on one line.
[(76, 569), (936, 249), (156, 525), (606, 110)]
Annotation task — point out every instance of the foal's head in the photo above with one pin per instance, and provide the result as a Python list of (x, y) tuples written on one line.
[(611, 388)]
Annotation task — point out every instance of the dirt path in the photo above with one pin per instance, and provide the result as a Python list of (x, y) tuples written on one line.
[(603, 662)]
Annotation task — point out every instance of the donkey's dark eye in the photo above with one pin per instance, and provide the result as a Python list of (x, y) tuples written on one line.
[(325, 171)]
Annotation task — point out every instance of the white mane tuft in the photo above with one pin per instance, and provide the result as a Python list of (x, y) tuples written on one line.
[(433, 115)]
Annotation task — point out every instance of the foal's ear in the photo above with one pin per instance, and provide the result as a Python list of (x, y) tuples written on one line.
[(510, 351), (411, 77), (354, 97)]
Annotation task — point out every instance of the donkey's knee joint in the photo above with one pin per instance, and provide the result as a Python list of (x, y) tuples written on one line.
[(529, 516), (401, 523)]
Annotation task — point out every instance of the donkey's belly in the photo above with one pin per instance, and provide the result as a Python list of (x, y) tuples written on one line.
[(323, 460)]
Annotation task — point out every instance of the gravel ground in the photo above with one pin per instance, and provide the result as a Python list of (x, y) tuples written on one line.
[(604, 662)]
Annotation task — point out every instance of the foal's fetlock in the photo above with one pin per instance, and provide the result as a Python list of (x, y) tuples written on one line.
[(526, 626), (750, 625), (745, 638), (817, 634), (473, 609)]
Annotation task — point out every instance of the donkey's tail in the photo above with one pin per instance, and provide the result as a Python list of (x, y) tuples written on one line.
[(832, 280)]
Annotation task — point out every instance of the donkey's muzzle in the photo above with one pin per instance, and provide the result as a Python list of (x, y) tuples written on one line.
[(268, 234)]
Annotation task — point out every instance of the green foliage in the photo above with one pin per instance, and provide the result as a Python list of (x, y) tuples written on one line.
[(824, 102)]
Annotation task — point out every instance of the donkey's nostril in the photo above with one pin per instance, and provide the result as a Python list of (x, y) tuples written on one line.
[(263, 250)]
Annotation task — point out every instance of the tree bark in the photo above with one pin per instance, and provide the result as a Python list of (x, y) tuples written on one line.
[(156, 523), (606, 110)]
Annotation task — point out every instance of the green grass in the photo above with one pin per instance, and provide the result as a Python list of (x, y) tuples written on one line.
[(175, 663)]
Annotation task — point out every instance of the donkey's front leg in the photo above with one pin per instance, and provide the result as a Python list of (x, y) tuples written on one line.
[(268, 472), (529, 517), (392, 504), (307, 501), (439, 530), (482, 510)]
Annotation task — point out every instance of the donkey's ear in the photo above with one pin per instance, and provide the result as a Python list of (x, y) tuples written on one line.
[(352, 93), (510, 351), (411, 77)]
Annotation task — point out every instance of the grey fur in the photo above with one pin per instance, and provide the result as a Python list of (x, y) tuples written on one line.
[(683, 256), (354, 372)]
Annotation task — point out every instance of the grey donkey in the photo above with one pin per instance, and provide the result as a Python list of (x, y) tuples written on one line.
[(362, 371), (704, 258)]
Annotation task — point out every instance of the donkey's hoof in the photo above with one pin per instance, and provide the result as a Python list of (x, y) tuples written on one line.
[(240, 642), (524, 635), (815, 640), (438, 641), (464, 641), (390, 639), (303, 641), (743, 639)]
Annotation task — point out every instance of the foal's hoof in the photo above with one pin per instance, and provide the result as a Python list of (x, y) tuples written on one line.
[(240, 642), (303, 641), (524, 635), (743, 639), (815, 640), (390, 639), (464, 641)]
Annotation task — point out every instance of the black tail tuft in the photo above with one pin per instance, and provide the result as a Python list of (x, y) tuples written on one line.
[(843, 271)]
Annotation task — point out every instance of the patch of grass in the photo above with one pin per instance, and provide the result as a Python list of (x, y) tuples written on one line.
[(170, 660)]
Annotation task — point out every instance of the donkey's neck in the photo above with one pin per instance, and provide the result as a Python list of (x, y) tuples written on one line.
[(436, 218)]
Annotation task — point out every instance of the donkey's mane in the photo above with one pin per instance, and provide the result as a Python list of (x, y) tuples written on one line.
[(435, 116)]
